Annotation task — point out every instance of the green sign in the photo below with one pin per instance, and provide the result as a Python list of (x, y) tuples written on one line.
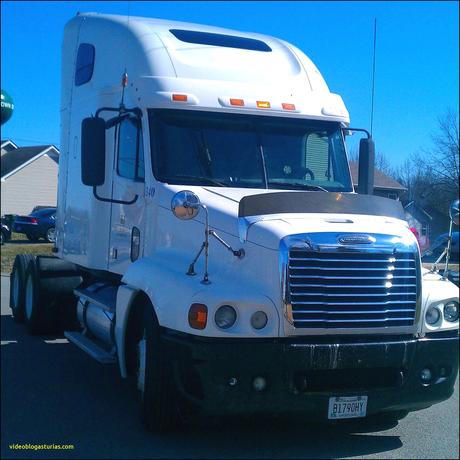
[(7, 107)]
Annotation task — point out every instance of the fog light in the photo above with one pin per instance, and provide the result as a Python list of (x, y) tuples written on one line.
[(232, 381), (225, 316), (451, 312), (259, 384), (425, 375), (259, 320), (432, 315)]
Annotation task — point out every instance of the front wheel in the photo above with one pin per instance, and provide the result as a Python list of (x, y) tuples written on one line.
[(50, 236), (159, 408)]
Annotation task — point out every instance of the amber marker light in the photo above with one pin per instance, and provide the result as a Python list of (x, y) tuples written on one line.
[(198, 316), (263, 104), (287, 106), (239, 102), (179, 97)]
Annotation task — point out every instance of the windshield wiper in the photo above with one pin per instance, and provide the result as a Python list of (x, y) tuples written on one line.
[(298, 185), (199, 179)]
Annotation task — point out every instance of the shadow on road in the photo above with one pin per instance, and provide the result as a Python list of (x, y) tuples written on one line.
[(54, 393)]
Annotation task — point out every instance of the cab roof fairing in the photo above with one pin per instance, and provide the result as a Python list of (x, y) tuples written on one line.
[(285, 74)]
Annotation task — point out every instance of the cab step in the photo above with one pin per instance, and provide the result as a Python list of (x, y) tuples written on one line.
[(90, 347)]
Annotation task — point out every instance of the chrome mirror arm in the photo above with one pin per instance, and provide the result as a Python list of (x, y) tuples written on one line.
[(448, 251), (237, 253), (205, 246)]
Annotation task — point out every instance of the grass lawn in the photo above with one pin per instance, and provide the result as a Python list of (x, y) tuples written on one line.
[(20, 245)]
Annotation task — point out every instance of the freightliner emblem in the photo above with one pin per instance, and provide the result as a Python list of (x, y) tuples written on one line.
[(356, 239)]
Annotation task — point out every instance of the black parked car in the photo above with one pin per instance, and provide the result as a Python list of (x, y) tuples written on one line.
[(38, 224), (6, 232)]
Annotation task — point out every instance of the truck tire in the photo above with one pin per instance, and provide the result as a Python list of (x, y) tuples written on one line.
[(17, 286), (159, 409), (50, 305), (38, 318)]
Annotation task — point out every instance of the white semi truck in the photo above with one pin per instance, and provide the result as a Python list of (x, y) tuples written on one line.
[(210, 240)]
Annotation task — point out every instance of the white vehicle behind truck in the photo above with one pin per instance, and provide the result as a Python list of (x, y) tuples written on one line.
[(209, 240)]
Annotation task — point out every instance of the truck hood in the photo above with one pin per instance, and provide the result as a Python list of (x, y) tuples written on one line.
[(267, 229)]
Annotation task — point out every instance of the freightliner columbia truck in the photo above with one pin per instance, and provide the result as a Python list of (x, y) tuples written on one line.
[(210, 242)]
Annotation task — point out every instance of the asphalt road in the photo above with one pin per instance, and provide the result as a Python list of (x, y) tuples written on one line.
[(54, 393)]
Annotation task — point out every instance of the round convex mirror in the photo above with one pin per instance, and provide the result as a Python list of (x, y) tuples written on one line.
[(185, 205)]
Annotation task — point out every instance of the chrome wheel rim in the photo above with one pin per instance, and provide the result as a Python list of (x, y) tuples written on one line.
[(142, 361), (29, 297), (15, 293), (50, 235)]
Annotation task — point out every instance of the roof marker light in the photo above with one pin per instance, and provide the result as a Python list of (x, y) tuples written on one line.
[(179, 97), (287, 106), (263, 104), (239, 102)]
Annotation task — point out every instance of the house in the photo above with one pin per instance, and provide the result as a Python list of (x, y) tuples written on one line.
[(419, 219), (384, 185), (29, 177), (7, 146)]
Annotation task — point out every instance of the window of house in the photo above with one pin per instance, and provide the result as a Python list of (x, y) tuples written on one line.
[(130, 162), (393, 196), (85, 64)]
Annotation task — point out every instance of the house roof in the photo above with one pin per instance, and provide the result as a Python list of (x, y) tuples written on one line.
[(5, 142), (381, 180), (415, 205), (16, 159)]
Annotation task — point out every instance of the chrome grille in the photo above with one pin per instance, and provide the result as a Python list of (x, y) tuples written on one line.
[(352, 289)]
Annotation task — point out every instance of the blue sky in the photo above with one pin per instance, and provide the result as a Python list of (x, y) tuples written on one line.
[(417, 68)]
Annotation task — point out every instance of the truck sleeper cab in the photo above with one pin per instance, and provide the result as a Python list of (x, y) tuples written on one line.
[(209, 240)]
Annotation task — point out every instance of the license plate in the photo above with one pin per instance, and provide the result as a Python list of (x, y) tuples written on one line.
[(347, 407)]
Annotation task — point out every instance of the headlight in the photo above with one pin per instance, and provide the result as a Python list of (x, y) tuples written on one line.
[(259, 320), (432, 315), (225, 316), (451, 311)]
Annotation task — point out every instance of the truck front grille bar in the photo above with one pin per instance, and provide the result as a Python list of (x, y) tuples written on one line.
[(351, 289)]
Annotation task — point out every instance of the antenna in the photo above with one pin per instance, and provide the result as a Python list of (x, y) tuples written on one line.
[(373, 76)]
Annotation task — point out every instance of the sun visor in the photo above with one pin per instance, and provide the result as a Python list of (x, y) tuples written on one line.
[(319, 202)]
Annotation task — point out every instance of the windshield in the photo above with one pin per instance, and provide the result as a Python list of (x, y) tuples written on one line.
[(217, 149)]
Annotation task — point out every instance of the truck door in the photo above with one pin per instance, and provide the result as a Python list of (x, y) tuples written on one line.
[(127, 217)]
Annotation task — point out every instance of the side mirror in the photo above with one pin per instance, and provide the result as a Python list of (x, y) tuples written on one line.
[(453, 212), (185, 205), (93, 151), (366, 166)]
